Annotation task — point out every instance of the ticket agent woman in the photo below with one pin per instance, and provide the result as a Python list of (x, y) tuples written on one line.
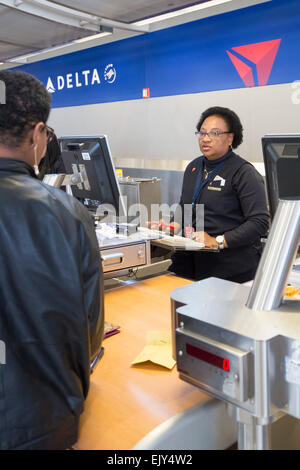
[(233, 195)]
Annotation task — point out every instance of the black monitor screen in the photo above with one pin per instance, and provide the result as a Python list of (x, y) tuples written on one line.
[(282, 165), (91, 157)]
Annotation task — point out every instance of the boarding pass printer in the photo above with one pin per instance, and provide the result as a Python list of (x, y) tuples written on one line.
[(241, 344)]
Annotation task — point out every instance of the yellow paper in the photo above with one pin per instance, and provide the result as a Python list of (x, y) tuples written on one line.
[(158, 349)]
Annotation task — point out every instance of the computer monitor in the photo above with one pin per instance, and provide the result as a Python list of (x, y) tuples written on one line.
[(91, 156), (282, 164)]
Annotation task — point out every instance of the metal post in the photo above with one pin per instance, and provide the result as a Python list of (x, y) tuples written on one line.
[(263, 437), (271, 277), (253, 437), (252, 434)]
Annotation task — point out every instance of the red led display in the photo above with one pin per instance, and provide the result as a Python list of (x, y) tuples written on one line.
[(208, 357)]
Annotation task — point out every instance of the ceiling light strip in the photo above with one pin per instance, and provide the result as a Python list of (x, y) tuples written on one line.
[(183, 11)]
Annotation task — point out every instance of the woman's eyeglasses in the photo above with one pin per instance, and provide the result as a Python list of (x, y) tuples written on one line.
[(211, 135)]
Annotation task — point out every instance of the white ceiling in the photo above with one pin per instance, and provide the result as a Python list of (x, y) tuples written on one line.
[(31, 26), (22, 33), (127, 11)]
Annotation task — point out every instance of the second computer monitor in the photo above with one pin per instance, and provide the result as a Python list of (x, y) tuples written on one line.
[(282, 164)]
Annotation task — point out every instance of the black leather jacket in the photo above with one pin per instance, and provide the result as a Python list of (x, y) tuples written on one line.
[(51, 310)]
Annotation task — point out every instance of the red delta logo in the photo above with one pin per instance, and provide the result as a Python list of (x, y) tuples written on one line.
[(254, 62)]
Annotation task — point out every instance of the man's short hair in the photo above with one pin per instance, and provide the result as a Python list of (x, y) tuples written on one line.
[(230, 117), (27, 102)]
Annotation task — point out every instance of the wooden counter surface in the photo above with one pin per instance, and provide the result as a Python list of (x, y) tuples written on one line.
[(127, 402)]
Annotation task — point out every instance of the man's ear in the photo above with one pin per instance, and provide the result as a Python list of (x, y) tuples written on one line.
[(37, 133)]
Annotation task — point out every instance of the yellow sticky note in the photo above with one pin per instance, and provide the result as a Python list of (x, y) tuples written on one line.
[(158, 349), (290, 290)]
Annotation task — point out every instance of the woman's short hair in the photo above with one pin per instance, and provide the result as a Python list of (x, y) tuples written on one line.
[(230, 117), (26, 102)]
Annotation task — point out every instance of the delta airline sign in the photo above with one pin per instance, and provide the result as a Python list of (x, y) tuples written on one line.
[(86, 78), (254, 62)]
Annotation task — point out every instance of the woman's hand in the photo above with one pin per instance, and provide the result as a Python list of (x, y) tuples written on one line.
[(206, 239)]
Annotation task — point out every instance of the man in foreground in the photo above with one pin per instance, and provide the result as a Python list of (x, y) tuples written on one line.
[(51, 295)]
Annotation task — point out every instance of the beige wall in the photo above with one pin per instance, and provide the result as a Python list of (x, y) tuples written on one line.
[(163, 128)]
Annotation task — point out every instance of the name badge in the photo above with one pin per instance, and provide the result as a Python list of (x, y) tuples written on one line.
[(212, 188)]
